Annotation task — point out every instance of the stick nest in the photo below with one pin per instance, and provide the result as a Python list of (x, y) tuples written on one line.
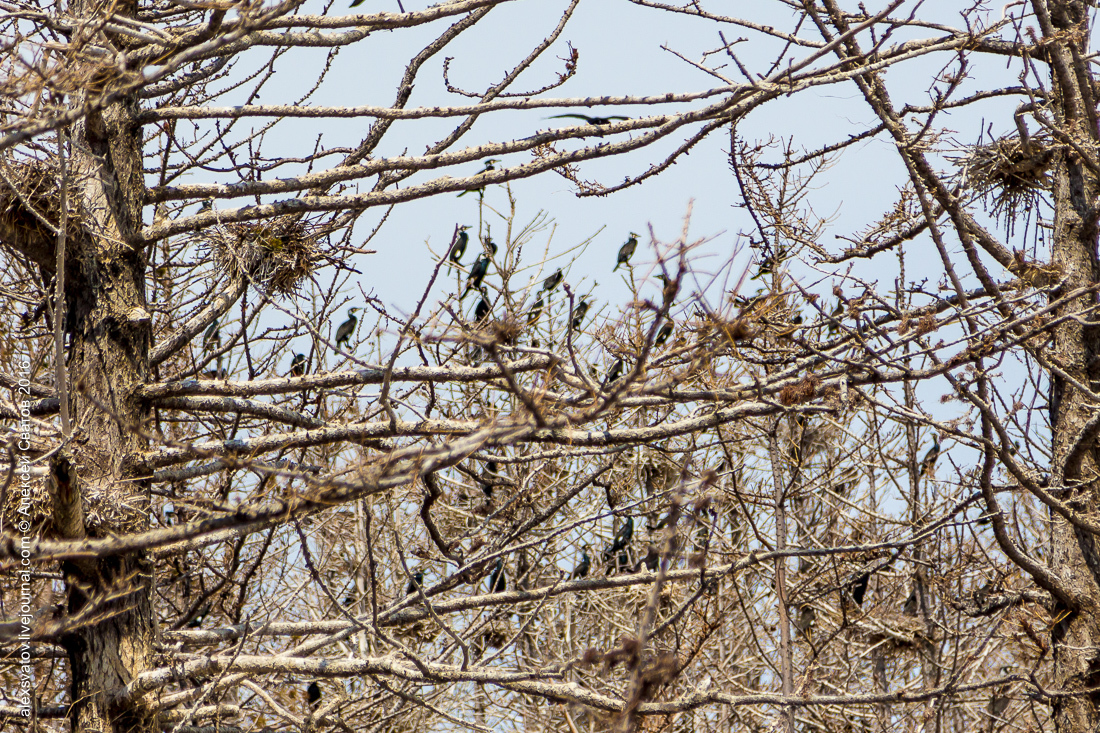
[(1010, 174), (275, 254), (38, 193)]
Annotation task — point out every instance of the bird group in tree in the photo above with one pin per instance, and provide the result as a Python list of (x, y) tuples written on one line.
[(347, 328)]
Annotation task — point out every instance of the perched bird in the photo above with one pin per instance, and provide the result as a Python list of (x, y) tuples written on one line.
[(313, 694), (615, 372), (622, 562), (536, 311), (460, 245), (581, 570), (196, 622), (621, 539), (478, 272), (553, 281), (912, 603), (858, 588), (805, 619), (415, 582), (663, 334), (206, 205), (590, 120), (490, 165), (929, 461), (213, 336), (497, 582), (652, 560), (481, 310), (627, 250), (347, 328), (490, 245), (578, 315), (298, 365)]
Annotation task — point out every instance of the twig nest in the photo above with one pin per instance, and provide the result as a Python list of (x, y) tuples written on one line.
[(275, 255), (1009, 172)]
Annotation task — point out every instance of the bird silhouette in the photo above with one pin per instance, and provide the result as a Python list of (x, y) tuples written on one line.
[(481, 310), (928, 463), (490, 245), (805, 619), (578, 315), (460, 245), (415, 582), (490, 165), (858, 588), (298, 365), (347, 328), (313, 694), (553, 281), (663, 334), (536, 311), (652, 560), (213, 336), (615, 372), (590, 120), (627, 250), (912, 603), (581, 570), (497, 582), (621, 539), (478, 271)]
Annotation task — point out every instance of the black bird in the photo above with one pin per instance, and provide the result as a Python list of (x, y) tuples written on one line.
[(553, 281), (497, 582), (490, 245), (490, 165), (805, 619), (929, 461), (481, 310), (627, 250), (615, 372), (912, 604), (590, 120), (460, 245), (536, 311), (298, 365), (196, 622), (663, 334), (212, 337), (581, 570), (415, 582), (206, 205), (313, 694), (347, 328), (858, 588), (478, 271), (621, 539), (622, 562), (579, 313), (652, 560)]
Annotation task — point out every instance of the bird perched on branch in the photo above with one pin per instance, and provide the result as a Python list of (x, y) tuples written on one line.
[(627, 250), (858, 588), (213, 336), (298, 365), (347, 328), (478, 272), (313, 694), (553, 281), (461, 241), (536, 311), (490, 165), (482, 309), (582, 567), (652, 560), (497, 582), (590, 120), (579, 313), (614, 373), (663, 334), (621, 539), (928, 463), (415, 582), (489, 245), (805, 619)]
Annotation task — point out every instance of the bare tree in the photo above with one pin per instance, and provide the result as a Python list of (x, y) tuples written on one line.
[(849, 488)]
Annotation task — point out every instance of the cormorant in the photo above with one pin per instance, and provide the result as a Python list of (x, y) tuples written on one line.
[(553, 281), (196, 622), (622, 562), (912, 603), (415, 582), (581, 570), (578, 314), (858, 588), (621, 539), (929, 461), (490, 165), (313, 694), (481, 310), (347, 328), (652, 560), (663, 334), (460, 245), (535, 312), (212, 337), (590, 120), (298, 365), (627, 250), (489, 245), (615, 372), (497, 582), (478, 271), (206, 205)]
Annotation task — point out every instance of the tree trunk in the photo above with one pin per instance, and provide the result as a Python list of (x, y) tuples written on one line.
[(1075, 556)]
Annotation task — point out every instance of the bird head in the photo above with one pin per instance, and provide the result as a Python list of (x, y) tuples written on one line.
[(353, 311)]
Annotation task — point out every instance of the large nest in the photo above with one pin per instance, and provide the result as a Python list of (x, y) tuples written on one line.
[(37, 197), (1009, 172), (275, 254)]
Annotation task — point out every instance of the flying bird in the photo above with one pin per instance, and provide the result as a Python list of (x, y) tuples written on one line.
[(347, 328), (478, 271), (627, 250), (553, 281), (590, 120)]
